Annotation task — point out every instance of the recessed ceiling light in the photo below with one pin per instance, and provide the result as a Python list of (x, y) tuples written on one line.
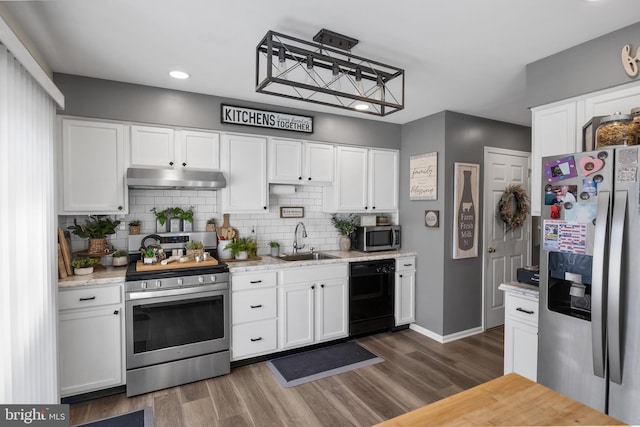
[(179, 74)]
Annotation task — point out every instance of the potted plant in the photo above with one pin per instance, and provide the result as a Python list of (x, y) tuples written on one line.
[(119, 258), (161, 220), (194, 248), (211, 225), (240, 248), (134, 226), (345, 226), (275, 248), (96, 228), (83, 266), (174, 219), (149, 255), (187, 218)]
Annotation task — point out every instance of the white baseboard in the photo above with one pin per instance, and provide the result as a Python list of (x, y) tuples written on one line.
[(448, 338)]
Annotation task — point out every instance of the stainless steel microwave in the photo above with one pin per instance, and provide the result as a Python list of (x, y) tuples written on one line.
[(379, 238)]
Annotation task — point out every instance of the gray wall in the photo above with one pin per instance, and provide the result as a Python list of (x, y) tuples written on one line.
[(448, 291), (582, 69), (106, 99)]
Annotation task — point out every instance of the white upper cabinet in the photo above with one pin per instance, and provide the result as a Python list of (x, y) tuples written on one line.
[(553, 132), (244, 160), (299, 162), (608, 103), (92, 168), (152, 146), (383, 180), (366, 181), (166, 147)]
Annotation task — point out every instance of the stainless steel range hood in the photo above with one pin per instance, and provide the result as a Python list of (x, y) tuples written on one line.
[(175, 179)]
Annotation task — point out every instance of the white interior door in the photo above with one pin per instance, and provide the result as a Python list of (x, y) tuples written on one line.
[(504, 251)]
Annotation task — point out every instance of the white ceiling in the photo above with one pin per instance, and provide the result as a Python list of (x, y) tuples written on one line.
[(467, 56)]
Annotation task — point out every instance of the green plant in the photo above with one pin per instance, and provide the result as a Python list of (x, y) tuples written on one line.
[(252, 248), (193, 245), (149, 252), (274, 244), (83, 262), (186, 215), (241, 245), (161, 216), (96, 227), (135, 223), (344, 225), (211, 221), (118, 254)]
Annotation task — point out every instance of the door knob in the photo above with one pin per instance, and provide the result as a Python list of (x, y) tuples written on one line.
[(491, 250)]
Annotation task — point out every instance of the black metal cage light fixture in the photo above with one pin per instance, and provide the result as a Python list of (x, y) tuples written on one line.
[(326, 73)]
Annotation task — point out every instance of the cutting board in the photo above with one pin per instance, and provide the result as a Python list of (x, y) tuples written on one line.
[(140, 266), (62, 270), (65, 247)]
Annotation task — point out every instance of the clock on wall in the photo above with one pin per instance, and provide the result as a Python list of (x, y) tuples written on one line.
[(432, 218)]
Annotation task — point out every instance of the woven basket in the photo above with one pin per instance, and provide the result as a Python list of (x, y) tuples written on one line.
[(211, 227), (97, 246), (134, 229)]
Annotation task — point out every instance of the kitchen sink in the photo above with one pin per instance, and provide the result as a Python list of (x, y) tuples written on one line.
[(308, 256)]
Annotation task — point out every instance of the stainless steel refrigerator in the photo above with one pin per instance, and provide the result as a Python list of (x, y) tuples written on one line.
[(589, 325)]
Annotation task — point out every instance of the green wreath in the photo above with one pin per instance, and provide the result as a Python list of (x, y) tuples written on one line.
[(514, 196)]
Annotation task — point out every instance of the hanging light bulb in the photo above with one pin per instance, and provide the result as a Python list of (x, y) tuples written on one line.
[(308, 78), (335, 79), (359, 84), (282, 64), (378, 93)]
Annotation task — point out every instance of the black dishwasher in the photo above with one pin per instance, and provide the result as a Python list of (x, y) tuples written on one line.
[(371, 296)]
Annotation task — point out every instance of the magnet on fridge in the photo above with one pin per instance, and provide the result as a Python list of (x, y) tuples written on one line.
[(555, 212), (560, 169), (598, 179), (589, 165), (603, 155)]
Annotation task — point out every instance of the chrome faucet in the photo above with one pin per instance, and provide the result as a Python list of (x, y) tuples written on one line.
[(296, 245)]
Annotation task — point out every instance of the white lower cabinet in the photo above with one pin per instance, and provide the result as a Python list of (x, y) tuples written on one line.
[(521, 335), (313, 305), (405, 290), (253, 314), (91, 338)]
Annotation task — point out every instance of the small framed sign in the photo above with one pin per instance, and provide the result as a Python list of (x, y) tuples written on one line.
[(432, 218), (265, 119), (291, 212)]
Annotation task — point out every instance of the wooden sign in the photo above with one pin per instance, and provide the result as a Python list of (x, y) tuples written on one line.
[(266, 119), (423, 177), (629, 61)]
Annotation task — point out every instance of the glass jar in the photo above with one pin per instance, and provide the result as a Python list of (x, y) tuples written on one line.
[(635, 113), (617, 129)]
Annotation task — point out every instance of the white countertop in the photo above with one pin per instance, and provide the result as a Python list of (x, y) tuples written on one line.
[(100, 277), (269, 263), (117, 274), (521, 289)]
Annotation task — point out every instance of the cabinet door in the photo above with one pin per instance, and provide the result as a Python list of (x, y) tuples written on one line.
[(93, 168), (152, 146), (318, 163), (296, 315), (405, 297), (608, 103), (199, 150), (554, 132), (90, 350), (331, 310), (383, 180), (351, 179), (520, 348), (245, 162), (285, 161)]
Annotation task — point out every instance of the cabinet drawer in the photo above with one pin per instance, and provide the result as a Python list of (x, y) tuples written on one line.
[(263, 279), (520, 308), (406, 263), (314, 274), (249, 306), (251, 339), (88, 297)]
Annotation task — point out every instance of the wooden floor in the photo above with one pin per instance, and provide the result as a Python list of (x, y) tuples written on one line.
[(416, 371)]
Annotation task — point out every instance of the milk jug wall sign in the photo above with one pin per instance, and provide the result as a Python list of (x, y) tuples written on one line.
[(465, 208)]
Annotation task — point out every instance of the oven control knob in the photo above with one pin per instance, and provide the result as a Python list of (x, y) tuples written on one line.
[(180, 282), (158, 284), (200, 279), (143, 285), (213, 278)]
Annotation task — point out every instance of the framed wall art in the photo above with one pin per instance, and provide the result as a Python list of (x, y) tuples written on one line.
[(465, 210), (423, 177), (292, 212), (432, 218)]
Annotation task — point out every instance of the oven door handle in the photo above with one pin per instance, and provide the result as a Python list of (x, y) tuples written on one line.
[(130, 296)]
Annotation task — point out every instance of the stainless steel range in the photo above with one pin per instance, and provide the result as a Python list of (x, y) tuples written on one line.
[(177, 319)]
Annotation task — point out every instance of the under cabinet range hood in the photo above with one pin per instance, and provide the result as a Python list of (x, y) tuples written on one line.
[(175, 179)]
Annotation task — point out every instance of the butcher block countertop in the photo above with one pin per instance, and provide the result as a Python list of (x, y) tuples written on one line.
[(510, 400)]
